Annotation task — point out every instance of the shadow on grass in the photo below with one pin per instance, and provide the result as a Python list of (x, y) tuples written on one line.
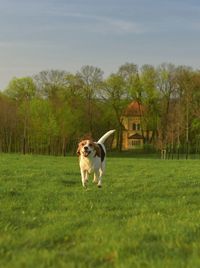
[(70, 182)]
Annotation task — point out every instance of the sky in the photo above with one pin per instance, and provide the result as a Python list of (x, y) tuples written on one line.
[(38, 35)]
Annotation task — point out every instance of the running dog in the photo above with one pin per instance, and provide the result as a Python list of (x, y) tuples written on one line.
[(92, 159)]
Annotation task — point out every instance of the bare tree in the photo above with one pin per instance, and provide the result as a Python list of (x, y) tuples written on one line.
[(92, 80)]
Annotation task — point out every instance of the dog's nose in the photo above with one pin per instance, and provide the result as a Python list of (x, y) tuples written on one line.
[(86, 147)]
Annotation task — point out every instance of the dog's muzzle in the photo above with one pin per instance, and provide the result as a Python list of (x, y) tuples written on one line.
[(86, 151)]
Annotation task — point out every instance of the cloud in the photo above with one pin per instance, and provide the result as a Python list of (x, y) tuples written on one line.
[(101, 24), (121, 26)]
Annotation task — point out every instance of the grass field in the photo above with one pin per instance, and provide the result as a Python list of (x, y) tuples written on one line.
[(146, 215)]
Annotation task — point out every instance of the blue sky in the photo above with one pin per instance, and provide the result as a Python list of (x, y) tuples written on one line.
[(67, 34)]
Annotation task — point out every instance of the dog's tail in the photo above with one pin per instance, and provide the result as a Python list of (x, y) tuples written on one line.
[(105, 136)]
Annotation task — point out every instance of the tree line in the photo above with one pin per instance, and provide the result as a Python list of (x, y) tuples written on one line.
[(49, 112)]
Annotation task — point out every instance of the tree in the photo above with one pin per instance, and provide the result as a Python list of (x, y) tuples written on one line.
[(116, 95), (195, 126), (8, 124), (167, 86), (128, 71), (49, 83), (150, 100), (185, 77), (92, 81), (130, 74), (50, 112), (43, 126), (22, 90)]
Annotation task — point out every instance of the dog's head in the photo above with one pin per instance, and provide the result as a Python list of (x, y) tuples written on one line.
[(88, 148)]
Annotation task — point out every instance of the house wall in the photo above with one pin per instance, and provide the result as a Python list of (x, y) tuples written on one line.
[(128, 122)]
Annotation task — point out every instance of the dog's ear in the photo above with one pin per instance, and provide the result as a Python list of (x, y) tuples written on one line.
[(78, 150), (97, 149)]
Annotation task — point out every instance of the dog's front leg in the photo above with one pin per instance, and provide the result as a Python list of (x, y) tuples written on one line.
[(84, 177)]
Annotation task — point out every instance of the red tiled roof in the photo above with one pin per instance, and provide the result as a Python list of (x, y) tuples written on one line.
[(134, 109)]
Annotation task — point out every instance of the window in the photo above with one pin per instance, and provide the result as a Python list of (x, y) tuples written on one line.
[(136, 142), (136, 126)]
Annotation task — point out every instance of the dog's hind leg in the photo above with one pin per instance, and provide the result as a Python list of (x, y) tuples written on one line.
[(95, 180), (97, 177), (101, 172)]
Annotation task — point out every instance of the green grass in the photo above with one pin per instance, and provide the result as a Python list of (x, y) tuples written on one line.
[(146, 215)]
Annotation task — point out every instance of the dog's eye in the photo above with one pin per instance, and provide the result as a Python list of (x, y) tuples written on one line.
[(90, 144)]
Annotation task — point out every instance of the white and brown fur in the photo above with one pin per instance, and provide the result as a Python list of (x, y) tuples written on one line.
[(92, 158)]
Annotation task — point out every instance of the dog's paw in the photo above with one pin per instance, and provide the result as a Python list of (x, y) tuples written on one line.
[(84, 186)]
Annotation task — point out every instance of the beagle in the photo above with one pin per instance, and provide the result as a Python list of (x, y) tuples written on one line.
[(92, 159)]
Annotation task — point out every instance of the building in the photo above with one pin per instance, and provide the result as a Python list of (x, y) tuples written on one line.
[(134, 132)]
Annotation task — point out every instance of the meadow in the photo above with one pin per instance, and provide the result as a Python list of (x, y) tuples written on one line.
[(146, 215)]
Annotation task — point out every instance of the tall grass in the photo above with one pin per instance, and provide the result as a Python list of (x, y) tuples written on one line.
[(146, 215)]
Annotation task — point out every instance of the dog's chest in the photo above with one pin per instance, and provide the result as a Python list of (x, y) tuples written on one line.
[(89, 164)]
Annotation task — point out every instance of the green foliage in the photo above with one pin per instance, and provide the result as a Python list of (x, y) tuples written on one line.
[(55, 108), (146, 214), (21, 89), (196, 124), (43, 121)]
